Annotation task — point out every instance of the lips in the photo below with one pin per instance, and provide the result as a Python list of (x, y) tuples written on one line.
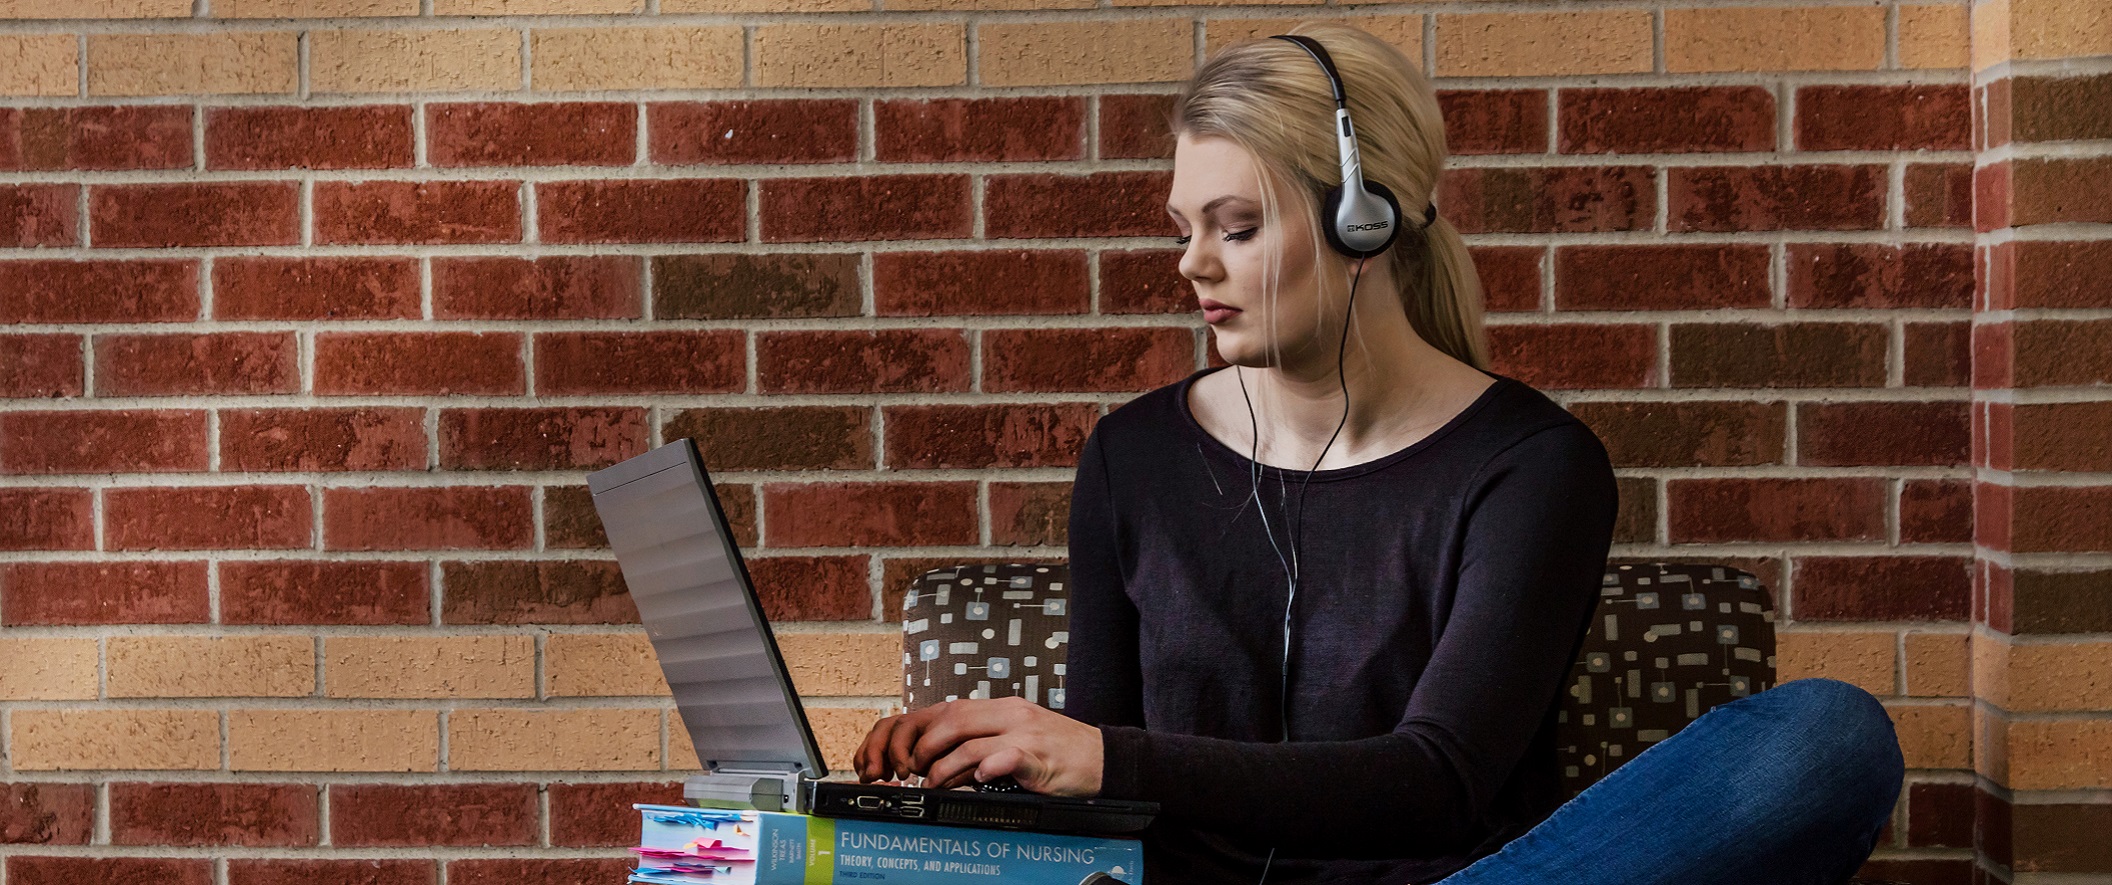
[(1215, 312)]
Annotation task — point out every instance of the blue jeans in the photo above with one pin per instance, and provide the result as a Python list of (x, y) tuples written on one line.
[(1788, 786)]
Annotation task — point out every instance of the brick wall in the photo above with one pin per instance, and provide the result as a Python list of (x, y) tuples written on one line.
[(319, 311)]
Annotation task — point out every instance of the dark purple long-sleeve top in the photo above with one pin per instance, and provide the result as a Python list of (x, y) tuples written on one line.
[(1443, 594)]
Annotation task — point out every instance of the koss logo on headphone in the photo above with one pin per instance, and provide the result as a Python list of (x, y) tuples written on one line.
[(1372, 226)]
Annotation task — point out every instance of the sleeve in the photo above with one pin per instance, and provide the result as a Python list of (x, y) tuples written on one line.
[(1538, 522), (1102, 681)]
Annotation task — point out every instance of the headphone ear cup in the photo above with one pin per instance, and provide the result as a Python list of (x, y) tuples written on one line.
[(1332, 202), (1329, 203), (1393, 211)]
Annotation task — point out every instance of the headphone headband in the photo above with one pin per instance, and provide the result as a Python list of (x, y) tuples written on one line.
[(1361, 218)]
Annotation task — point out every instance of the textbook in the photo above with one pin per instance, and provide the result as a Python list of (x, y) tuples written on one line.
[(681, 845)]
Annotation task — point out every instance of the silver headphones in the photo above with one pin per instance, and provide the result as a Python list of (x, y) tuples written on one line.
[(1361, 218)]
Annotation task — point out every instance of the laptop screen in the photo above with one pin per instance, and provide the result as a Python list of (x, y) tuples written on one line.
[(700, 610)]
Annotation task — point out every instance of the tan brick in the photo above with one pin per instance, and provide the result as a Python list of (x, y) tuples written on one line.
[(414, 61), (1866, 660), (482, 666), (47, 669), (40, 64), (1829, 38), (95, 9), (1154, 50), (571, 59), (1217, 3), (554, 740), (538, 7), (601, 665), (2049, 29), (975, 5), (1933, 36), (844, 664), (333, 740), (2051, 678), (1539, 44), (211, 666), (129, 739), (825, 55), (313, 8), (1939, 665), (1990, 33), (1990, 744), (1934, 735), (193, 64), (839, 731), (1405, 32), (2056, 755)]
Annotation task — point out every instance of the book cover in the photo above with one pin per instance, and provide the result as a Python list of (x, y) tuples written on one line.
[(680, 845)]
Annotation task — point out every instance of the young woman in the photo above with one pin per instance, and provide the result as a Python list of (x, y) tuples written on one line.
[(1388, 714)]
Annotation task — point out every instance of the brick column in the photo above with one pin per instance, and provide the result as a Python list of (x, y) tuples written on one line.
[(2042, 439)]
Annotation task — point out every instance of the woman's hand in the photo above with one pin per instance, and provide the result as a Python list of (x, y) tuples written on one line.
[(971, 741)]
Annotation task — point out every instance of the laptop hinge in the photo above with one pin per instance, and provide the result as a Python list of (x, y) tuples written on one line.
[(748, 785)]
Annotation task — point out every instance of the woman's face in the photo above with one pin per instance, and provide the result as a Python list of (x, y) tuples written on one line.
[(1216, 206)]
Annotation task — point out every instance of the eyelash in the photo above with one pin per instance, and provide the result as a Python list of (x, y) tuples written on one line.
[(1233, 236)]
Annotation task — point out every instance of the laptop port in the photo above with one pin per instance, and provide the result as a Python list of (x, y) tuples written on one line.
[(916, 799), (868, 803), (913, 812)]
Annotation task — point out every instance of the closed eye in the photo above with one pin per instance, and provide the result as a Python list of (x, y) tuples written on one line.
[(1230, 236)]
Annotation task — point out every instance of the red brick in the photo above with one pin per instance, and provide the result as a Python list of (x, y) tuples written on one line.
[(1086, 359), (539, 439), (1575, 355), (1794, 509), (196, 364), (989, 282), (207, 518), (692, 210), (1635, 520), (1136, 126), (39, 215), (249, 815), (600, 815), (1706, 433), (531, 134), (350, 137), (1674, 277), (995, 435), (1144, 281), (105, 138), (2075, 437), (46, 814), (869, 514), (1936, 511), (369, 438), (1100, 204), (1880, 275), (25, 870), (1757, 198), (1880, 117), (877, 207), (1992, 517), (309, 592), (60, 593), (1937, 354), (194, 214), (1005, 129), (852, 361), (1992, 361), (102, 442), (383, 815), (418, 363), (444, 518), (779, 437), (2062, 353), (1029, 513), (332, 872), (411, 212), (1510, 276), (2055, 108), (574, 871), (511, 592), (53, 291), (1882, 588), (40, 365), (705, 361), (46, 519), (1494, 121), (739, 285), (263, 288), (1778, 356), (1939, 195), (813, 588), (767, 131), (1991, 197), (1559, 199), (1849, 434), (570, 523), (1665, 120), (1939, 815), (2055, 273), (558, 287), (2062, 519)]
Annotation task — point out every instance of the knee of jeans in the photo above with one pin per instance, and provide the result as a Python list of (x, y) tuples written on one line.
[(1849, 734)]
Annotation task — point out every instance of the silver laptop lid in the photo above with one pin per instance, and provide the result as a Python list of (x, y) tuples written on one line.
[(700, 609)]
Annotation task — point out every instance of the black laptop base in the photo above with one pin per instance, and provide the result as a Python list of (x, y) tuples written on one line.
[(968, 808)]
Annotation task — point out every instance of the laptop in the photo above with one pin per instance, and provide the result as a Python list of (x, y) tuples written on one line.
[(694, 594)]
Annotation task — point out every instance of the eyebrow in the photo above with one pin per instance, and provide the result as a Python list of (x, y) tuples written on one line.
[(1213, 204)]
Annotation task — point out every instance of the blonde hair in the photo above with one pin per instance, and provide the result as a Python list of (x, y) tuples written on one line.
[(1271, 98)]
